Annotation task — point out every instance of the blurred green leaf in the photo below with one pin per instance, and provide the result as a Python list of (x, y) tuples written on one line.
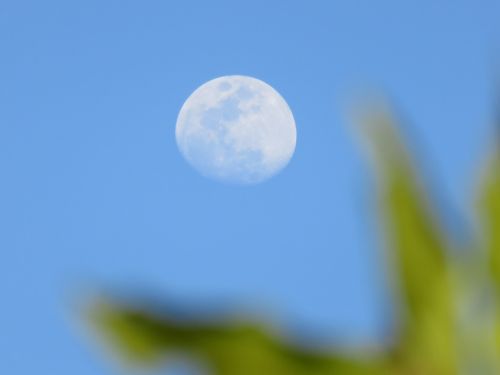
[(418, 248), (229, 348), (489, 216), (489, 210)]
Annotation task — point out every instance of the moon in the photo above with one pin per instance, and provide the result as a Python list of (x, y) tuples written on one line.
[(236, 129)]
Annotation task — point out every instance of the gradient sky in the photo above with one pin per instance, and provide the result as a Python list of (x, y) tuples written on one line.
[(93, 190)]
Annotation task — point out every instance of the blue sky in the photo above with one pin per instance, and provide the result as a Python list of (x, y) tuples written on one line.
[(93, 190)]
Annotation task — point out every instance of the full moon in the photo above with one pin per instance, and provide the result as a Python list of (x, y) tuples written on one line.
[(236, 129)]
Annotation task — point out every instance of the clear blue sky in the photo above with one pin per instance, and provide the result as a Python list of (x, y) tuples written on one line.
[(93, 188)]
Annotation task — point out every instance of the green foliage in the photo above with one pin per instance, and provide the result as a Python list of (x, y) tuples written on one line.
[(489, 209), (231, 347), (433, 287), (489, 213)]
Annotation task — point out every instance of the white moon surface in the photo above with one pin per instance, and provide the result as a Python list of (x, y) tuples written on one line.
[(236, 129)]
